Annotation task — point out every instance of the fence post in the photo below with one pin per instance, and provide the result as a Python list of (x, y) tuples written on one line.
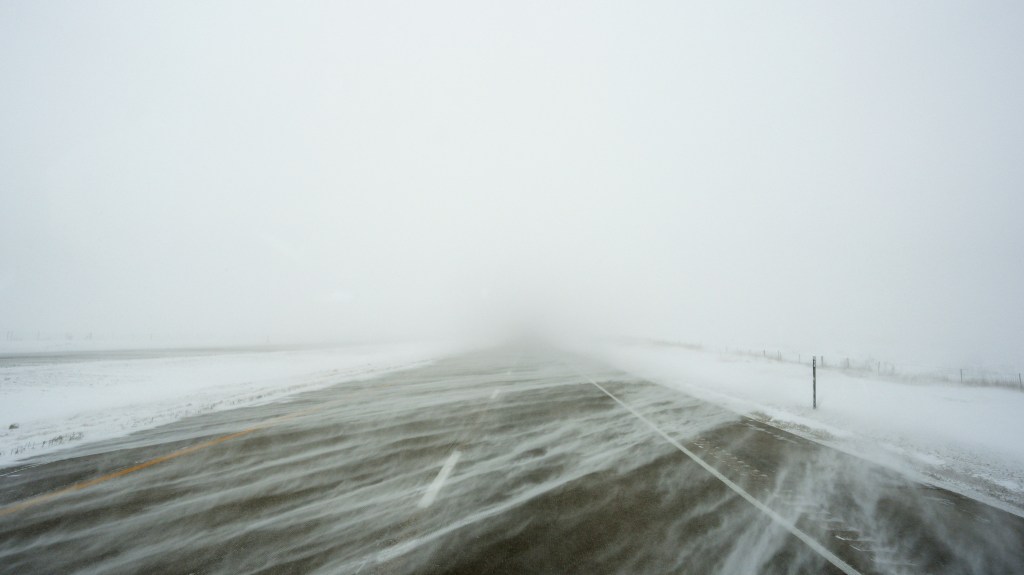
[(814, 382), (1020, 382), (961, 376)]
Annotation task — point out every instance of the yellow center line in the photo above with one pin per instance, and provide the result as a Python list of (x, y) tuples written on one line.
[(40, 499)]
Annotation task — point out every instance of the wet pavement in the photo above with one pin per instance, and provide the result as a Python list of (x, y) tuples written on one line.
[(509, 461)]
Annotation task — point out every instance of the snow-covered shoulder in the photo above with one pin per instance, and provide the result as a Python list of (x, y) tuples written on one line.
[(45, 406), (965, 438)]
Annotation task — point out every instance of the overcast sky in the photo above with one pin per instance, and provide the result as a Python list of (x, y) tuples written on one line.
[(811, 175)]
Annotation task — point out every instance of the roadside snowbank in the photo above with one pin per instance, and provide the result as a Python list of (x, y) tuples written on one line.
[(44, 407), (970, 439)]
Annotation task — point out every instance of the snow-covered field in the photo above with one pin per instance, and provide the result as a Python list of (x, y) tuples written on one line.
[(45, 407), (970, 439)]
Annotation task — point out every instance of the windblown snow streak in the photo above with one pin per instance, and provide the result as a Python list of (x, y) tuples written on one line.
[(551, 476)]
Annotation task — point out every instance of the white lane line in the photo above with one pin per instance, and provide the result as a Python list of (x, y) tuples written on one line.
[(494, 395), (15, 471), (788, 525), (442, 476)]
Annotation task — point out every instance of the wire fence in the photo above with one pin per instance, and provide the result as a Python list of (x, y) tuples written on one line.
[(968, 376), (866, 367)]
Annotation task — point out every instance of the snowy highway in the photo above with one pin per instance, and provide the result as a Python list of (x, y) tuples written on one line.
[(511, 461)]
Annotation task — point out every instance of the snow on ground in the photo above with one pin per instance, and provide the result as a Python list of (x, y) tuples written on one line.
[(970, 439), (44, 407)]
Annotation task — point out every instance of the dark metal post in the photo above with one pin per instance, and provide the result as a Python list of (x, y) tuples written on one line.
[(814, 382)]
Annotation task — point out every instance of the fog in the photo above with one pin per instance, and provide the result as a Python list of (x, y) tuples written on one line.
[(796, 175)]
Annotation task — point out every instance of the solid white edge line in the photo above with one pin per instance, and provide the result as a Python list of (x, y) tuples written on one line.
[(438, 483), (789, 526)]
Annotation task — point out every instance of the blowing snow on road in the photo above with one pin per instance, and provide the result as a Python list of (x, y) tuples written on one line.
[(505, 461), (469, 287)]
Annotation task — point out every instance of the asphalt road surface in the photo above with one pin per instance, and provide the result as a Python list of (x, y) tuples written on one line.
[(511, 461)]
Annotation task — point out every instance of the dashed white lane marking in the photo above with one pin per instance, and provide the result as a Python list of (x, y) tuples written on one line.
[(14, 472), (782, 521), (442, 476), (494, 395)]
